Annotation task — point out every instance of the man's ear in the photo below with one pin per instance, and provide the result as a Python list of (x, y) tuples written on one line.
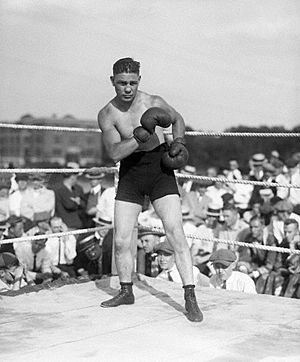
[(112, 79)]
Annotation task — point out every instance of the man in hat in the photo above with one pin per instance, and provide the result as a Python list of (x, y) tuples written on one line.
[(146, 259), (88, 262), (12, 274), (169, 271), (256, 173), (92, 197), (224, 262), (16, 197), (15, 229), (291, 177)]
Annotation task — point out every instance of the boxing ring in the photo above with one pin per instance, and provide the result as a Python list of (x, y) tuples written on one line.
[(67, 324)]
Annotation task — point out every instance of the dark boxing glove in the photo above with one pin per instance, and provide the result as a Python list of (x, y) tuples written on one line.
[(177, 155), (150, 119)]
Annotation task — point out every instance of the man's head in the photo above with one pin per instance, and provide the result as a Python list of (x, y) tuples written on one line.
[(37, 181), (149, 239), (3, 227), (230, 215), (22, 181), (291, 229), (223, 261), (283, 209), (38, 245), (256, 227), (16, 226), (125, 79), (166, 257), (87, 243), (56, 224), (233, 165)]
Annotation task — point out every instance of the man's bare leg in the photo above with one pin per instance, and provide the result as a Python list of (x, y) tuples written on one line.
[(125, 218), (168, 208)]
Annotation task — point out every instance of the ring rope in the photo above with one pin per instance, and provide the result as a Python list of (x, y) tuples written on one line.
[(44, 236), (188, 133), (214, 240), (115, 169)]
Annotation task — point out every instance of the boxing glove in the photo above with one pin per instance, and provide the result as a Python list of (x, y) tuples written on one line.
[(177, 155), (150, 119)]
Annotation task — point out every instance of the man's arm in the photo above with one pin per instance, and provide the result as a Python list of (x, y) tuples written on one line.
[(178, 125), (116, 148)]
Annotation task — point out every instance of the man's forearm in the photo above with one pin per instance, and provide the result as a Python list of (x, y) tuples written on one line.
[(123, 149), (178, 127)]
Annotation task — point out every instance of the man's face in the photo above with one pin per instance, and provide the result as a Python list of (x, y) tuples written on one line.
[(37, 184), (256, 208), (22, 184), (148, 242), (233, 165), (95, 182), (290, 231), (165, 261), (126, 86), (223, 272), (4, 193), (56, 226), (256, 228), (230, 217), (283, 215), (17, 230), (93, 252), (38, 245), (211, 222)]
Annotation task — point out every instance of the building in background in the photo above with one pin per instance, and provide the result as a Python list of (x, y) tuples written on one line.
[(28, 147)]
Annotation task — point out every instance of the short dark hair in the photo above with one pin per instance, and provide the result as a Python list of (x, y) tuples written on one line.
[(291, 221), (257, 218), (230, 207), (126, 65)]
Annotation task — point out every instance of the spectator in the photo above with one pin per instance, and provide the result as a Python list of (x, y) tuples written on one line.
[(88, 262), (12, 274), (3, 230), (234, 172), (291, 177), (201, 249), (16, 197), (169, 271), (233, 225), (62, 249), (242, 195), (39, 202), (93, 196), (69, 201), (256, 163), (212, 172), (15, 230), (224, 262), (283, 210), (185, 186), (36, 260), (4, 199), (146, 258), (215, 193), (106, 204), (188, 225), (149, 218), (197, 201), (254, 211)]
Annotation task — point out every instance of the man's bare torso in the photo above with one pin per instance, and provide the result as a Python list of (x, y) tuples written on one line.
[(125, 121)]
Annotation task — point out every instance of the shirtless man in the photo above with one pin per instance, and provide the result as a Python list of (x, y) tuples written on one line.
[(136, 139)]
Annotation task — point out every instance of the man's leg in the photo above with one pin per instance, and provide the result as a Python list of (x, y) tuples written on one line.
[(168, 208), (125, 218)]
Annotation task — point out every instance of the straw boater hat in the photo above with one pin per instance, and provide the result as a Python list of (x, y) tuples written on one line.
[(258, 159), (213, 212)]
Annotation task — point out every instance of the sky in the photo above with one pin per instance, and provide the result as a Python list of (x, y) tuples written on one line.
[(220, 63)]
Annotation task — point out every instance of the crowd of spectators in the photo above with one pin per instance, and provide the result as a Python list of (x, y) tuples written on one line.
[(259, 215)]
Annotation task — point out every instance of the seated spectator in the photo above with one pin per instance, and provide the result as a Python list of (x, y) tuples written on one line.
[(169, 271), (15, 230), (62, 249), (186, 185), (293, 194), (216, 191), (224, 262), (39, 202), (37, 262), (201, 249), (106, 204), (256, 173), (4, 199), (150, 218), (255, 210), (88, 261), (70, 201), (146, 258), (241, 195), (16, 197), (233, 225), (283, 210), (3, 230), (12, 274), (188, 225), (197, 201), (212, 172)]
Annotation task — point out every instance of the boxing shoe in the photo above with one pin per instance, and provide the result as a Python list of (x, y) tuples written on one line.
[(125, 296), (194, 314)]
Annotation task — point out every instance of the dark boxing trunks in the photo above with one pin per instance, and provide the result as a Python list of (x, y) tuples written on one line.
[(142, 173)]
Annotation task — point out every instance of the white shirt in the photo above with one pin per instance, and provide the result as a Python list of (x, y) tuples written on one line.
[(216, 196), (62, 250), (189, 229), (15, 202), (238, 281), (199, 279), (106, 204), (278, 227), (204, 232)]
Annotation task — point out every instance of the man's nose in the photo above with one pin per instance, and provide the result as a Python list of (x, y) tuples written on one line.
[(128, 89)]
